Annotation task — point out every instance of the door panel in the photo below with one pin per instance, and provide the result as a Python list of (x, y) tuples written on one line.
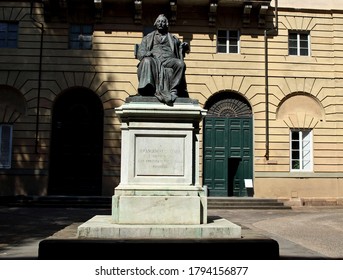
[(215, 156), (227, 155)]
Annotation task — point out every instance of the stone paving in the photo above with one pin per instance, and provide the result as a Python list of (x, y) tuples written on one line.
[(302, 233)]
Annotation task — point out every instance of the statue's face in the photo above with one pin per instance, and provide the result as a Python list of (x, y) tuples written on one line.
[(161, 23)]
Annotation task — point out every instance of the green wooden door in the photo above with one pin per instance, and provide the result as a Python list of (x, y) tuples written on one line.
[(227, 155)]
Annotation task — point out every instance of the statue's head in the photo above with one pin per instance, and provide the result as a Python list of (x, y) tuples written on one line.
[(161, 23)]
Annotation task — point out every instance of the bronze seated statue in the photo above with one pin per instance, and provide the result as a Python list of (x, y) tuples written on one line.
[(161, 70)]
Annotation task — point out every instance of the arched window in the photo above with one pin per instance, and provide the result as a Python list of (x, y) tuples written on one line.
[(301, 112)]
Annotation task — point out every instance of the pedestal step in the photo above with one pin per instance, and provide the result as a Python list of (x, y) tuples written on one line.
[(244, 203), (103, 227)]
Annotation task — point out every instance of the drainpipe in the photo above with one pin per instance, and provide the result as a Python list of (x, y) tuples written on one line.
[(266, 91), (41, 27), (273, 31)]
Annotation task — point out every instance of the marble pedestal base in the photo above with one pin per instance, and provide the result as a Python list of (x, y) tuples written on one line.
[(102, 227), (158, 209)]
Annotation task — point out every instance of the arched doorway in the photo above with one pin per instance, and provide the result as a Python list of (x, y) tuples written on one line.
[(12, 107), (228, 151), (76, 144)]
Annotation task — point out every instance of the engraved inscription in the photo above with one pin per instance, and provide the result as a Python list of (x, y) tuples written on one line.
[(159, 156)]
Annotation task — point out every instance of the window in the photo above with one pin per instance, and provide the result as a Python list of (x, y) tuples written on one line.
[(5, 145), (228, 41), (299, 43), (301, 150), (8, 34), (80, 37)]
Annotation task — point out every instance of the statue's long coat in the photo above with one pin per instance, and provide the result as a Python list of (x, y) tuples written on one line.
[(156, 75)]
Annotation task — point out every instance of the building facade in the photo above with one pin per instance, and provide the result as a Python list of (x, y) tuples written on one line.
[(270, 74)]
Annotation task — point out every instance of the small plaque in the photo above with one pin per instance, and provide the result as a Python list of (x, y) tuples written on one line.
[(159, 155), (248, 183)]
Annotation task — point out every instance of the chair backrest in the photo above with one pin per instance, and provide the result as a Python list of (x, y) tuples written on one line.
[(136, 50)]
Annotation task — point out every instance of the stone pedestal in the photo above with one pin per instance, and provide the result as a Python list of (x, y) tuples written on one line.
[(159, 181), (159, 195)]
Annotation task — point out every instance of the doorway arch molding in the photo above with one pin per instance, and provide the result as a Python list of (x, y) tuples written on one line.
[(229, 104)]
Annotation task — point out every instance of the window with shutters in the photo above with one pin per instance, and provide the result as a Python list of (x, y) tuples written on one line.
[(5, 146), (301, 150)]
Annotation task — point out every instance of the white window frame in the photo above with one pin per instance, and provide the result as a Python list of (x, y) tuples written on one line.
[(227, 43), (81, 39), (304, 151), (8, 34), (6, 146), (299, 33)]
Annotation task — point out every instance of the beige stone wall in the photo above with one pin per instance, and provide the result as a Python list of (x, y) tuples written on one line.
[(319, 79), (299, 187), (310, 4), (109, 70)]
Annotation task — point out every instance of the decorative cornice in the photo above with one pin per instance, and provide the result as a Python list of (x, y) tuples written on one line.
[(255, 8), (253, 11), (173, 11), (47, 10), (63, 5), (247, 14), (98, 10), (212, 14), (138, 11), (262, 15), (59, 9)]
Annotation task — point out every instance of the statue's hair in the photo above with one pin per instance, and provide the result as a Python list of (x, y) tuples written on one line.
[(162, 16)]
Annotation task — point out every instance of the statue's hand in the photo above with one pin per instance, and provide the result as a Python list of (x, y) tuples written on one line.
[(147, 54), (185, 47)]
